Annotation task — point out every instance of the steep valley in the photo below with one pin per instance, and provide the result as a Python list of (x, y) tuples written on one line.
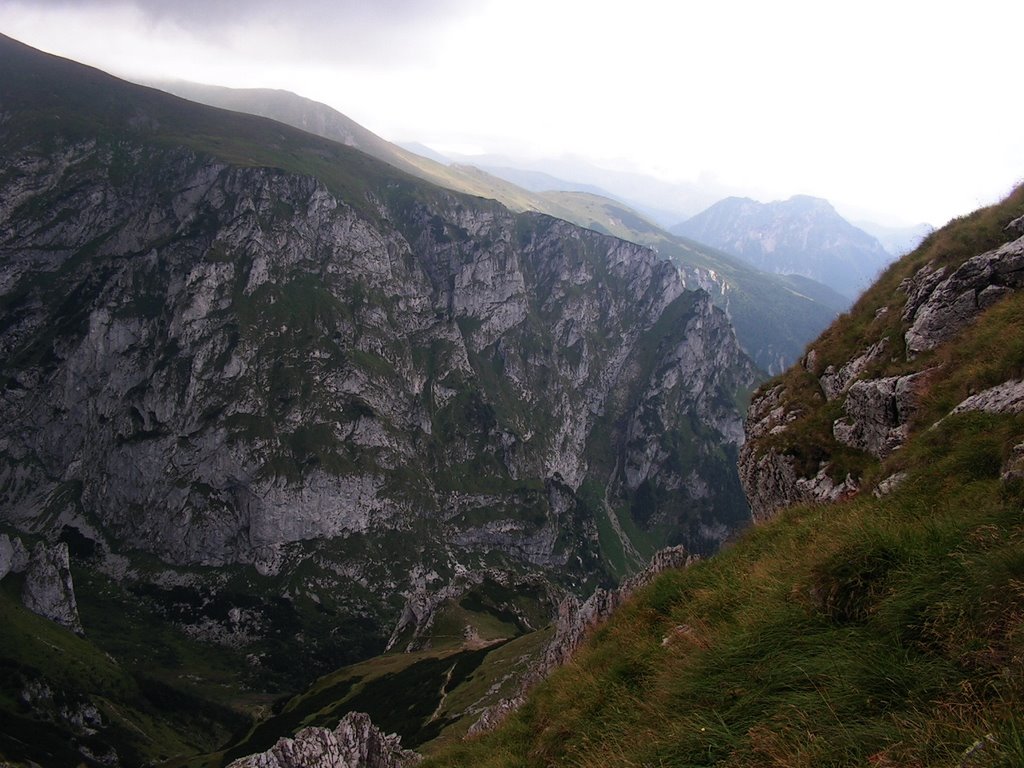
[(275, 405), (306, 443), (874, 615)]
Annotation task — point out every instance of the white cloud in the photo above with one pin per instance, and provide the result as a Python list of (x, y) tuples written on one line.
[(906, 108)]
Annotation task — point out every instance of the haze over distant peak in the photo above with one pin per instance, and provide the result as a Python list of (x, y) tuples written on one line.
[(803, 235)]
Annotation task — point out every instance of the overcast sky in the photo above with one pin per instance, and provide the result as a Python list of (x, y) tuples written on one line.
[(908, 110)]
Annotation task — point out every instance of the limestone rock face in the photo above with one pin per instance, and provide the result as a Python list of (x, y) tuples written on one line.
[(877, 414), (773, 483), (219, 364), (48, 589), (355, 743), (223, 365), (1007, 397), (939, 306)]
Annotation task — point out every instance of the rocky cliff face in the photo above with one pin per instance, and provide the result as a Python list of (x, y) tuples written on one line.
[(361, 395), (214, 362), (48, 589), (814, 430)]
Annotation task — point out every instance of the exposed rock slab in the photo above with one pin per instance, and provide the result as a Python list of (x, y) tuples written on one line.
[(938, 306), (877, 414), (1007, 397), (355, 743), (834, 382)]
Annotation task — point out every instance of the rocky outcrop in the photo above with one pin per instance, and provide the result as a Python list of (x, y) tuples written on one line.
[(574, 622), (1007, 397), (355, 743), (834, 382), (876, 419), (770, 477), (939, 306), (48, 589), (1013, 467), (773, 483), (877, 414)]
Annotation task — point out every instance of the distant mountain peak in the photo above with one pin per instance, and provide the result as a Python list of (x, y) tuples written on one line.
[(811, 203), (803, 235)]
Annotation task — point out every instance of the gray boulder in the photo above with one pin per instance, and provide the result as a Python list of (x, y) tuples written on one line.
[(938, 307)]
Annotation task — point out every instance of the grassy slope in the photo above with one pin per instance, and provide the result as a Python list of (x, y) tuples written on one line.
[(143, 717), (429, 697), (43, 97), (996, 352), (882, 632)]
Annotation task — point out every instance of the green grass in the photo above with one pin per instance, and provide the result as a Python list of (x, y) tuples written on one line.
[(428, 697), (854, 634), (988, 352), (143, 718)]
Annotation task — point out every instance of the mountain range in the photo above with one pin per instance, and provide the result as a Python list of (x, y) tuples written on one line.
[(798, 308), (271, 404), (802, 236), (308, 440)]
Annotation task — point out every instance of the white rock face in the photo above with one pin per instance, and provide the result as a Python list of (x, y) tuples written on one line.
[(354, 743), (1007, 397), (938, 306), (49, 590), (253, 362)]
